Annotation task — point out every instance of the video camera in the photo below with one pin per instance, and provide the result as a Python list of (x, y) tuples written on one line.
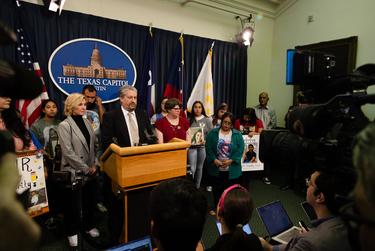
[(15, 83), (320, 135)]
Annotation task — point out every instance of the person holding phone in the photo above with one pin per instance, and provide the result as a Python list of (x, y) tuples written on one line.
[(329, 232), (234, 210), (94, 102)]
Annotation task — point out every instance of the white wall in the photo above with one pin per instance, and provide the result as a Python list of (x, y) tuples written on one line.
[(191, 19), (259, 61), (334, 19)]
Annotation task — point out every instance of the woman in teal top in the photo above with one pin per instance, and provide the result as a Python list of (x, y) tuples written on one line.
[(224, 149)]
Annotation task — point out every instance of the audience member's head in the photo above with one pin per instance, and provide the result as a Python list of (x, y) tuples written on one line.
[(49, 108), (178, 213), (219, 112), (197, 109), (172, 103), (173, 107), (235, 207), (11, 118), (89, 92), (326, 187), (227, 121), (364, 192), (249, 115), (73, 103), (234, 210), (263, 99), (128, 97), (223, 108), (161, 106)]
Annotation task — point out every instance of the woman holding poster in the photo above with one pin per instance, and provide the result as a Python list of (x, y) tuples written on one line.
[(224, 148), (200, 125), (77, 141)]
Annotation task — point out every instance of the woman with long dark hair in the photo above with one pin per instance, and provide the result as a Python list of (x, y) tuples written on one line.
[(249, 124), (197, 151), (216, 118), (11, 122), (45, 128)]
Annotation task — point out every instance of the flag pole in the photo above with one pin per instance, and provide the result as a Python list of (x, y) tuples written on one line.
[(150, 29), (181, 39)]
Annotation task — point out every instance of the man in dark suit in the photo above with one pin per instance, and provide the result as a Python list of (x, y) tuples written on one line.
[(126, 126), (117, 127)]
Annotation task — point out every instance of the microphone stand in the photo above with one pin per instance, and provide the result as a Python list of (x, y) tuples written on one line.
[(77, 188)]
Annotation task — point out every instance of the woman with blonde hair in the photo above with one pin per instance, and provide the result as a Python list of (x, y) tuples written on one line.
[(77, 140)]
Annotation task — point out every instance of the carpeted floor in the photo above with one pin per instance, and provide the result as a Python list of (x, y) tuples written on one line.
[(54, 239)]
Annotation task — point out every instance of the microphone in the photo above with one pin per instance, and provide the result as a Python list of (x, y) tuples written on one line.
[(150, 137)]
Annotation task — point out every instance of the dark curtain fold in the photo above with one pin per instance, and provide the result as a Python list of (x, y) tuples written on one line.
[(47, 30)]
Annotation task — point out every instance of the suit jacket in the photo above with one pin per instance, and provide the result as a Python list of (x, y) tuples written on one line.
[(115, 129), (76, 154)]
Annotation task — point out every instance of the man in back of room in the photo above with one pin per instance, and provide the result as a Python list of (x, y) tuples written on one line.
[(265, 112)]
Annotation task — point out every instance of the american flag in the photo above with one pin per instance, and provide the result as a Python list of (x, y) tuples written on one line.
[(30, 109)]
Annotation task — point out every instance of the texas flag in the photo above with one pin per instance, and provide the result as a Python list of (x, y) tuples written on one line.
[(173, 88), (147, 78)]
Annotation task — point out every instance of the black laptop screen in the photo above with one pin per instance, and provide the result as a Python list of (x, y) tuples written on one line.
[(275, 218), (143, 244)]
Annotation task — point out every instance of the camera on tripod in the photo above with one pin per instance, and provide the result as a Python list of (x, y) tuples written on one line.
[(320, 134)]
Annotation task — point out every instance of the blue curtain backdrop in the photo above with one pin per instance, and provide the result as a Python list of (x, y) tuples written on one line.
[(47, 30)]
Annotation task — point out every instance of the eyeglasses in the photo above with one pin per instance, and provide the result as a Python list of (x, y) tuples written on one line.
[(176, 108), (227, 123)]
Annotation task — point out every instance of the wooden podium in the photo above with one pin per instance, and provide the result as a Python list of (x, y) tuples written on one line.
[(132, 169)]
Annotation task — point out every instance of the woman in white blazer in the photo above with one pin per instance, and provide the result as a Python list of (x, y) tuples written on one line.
[(77, 139)]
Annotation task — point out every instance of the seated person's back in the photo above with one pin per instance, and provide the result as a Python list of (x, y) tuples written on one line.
[(233, 211)]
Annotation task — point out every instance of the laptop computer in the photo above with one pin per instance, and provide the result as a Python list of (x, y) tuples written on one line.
[(309, 211), (246, 228), (277, 222), (143, 244)]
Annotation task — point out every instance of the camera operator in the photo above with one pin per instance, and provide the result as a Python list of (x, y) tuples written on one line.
[(17, 230), (364, 191)]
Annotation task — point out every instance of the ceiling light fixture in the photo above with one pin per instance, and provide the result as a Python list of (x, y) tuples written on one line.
[(246, 36)]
